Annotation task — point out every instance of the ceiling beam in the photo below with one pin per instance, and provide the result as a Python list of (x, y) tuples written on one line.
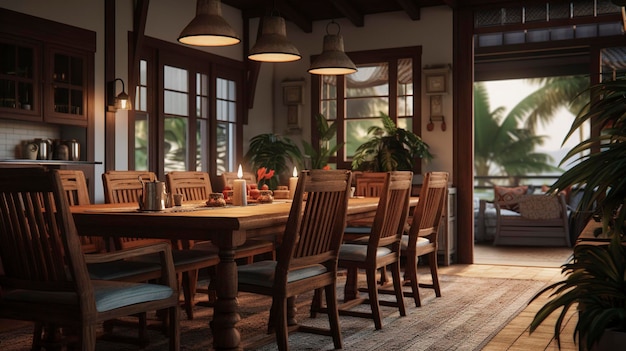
[(411, 8), (351, 13), (295, 16)]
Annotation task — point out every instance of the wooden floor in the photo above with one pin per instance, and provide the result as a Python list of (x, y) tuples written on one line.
[(508, 264)]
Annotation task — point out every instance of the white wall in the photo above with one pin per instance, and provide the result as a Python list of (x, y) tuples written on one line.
[(388, 30), (167, 18)]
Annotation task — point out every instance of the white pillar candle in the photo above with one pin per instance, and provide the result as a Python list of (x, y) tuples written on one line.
[(239, 190), (293, 182)]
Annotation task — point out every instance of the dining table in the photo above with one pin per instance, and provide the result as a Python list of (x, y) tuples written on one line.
[(227, 227)]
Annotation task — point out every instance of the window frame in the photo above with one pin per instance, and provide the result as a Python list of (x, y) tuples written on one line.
[(391, 57), (159, 53)]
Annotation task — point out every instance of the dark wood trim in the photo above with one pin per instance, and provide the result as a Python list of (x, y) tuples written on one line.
[(463, 150), (47, 31), (109, 76)]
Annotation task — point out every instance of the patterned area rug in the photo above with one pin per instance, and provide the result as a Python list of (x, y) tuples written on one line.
[(469, 313)]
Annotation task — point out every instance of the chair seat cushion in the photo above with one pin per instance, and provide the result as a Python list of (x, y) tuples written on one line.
[(120, 269), (421, 241), (262, 273), (108, 295), (358, 252)]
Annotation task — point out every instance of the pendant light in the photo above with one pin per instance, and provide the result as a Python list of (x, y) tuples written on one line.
[(333, 59), (272, 45), (208, 28)]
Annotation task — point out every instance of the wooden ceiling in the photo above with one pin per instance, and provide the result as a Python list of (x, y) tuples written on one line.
[(304, 12)]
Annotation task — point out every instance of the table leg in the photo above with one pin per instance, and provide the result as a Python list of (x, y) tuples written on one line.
[(226, 310)]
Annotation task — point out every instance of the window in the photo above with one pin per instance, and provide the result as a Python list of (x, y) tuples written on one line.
[(386, 83), (188, 111)]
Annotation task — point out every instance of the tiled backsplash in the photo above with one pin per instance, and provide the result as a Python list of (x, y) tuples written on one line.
[(14, 133)]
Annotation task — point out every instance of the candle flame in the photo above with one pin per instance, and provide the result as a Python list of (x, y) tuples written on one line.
[(295, 172), (240, 172)]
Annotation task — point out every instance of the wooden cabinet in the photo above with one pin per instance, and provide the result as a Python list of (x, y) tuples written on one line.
[(66, 86), (46, 70), (19, 79)]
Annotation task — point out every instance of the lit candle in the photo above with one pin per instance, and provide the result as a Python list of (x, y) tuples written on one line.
[(239, 190), (293, 182)]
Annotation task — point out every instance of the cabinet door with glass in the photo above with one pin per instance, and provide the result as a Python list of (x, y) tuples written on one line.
[(19, 78), (66, 86)]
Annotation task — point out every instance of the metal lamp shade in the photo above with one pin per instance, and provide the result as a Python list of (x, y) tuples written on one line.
[(333, 59), (208, 28), (273, 45)]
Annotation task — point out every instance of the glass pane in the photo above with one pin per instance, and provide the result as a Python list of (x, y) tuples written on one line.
[(202, 98), (175, 103), (175, 79), (61, 100), (175, 144), (405, 87), (76, 103), (25, 57), (328, 98), (356, 133), (61, 68), (76, 71), (226, 100), (367, 107), (202, 148), (7, 93), (7, 58), (25, 94), (405, 123), (141, 99), (143, 72), (368, 81), (141, 142), (225, 141)]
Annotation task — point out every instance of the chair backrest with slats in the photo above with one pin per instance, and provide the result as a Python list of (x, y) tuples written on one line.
[(314, 235), (370, 184), (75, 186), (228, 178), (193, 185), (124, 187), (40, 246), (427, 214), (392, 211)]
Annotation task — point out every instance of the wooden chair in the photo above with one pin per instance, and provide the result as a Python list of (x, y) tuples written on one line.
[(120, 187), (382, 249), (423, 233), (197, 186), (307, 258), (368, 184), (228, 177), (45, 271)]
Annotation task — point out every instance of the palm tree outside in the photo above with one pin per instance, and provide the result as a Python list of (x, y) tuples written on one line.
[(509, 143)]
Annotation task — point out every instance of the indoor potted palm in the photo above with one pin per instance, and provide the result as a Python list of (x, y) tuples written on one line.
[(390, 149), (595, 277), (326, 131), (274, 153)]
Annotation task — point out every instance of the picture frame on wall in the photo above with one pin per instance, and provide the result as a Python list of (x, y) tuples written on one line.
[(436, 80), (293, 93), (436, 106)]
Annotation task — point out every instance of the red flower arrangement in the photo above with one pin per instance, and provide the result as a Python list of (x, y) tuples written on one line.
[(264, 177)]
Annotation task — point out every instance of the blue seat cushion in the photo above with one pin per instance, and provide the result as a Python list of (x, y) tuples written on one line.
[(262, 273), (421, 241), (358, 230), (358, 252), (108, 295), (120, 269)]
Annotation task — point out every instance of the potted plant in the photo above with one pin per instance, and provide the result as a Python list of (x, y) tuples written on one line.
[(326, 131), (596, 281), (390, 149), (274, 153)]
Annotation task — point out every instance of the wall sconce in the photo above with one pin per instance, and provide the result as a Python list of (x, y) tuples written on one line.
[(333, 59), (208, 28), (119, 102), (272, 45)]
